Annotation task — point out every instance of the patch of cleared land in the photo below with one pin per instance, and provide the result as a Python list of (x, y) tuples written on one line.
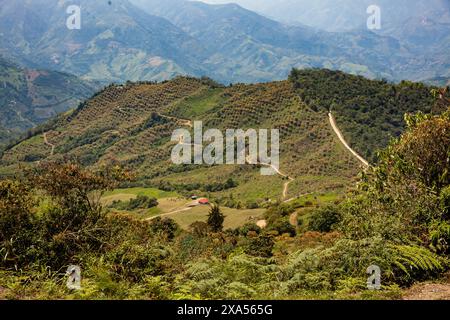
[(169, 202), (233, 217)]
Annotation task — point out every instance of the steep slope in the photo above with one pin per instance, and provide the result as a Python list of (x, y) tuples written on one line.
[(119, 41), (116, 41), (132, 124), (368, 112), (29, 97), (245, 45), (5, 136)]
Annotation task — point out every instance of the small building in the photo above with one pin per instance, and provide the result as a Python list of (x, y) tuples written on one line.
[(193, 197), (203, 201)]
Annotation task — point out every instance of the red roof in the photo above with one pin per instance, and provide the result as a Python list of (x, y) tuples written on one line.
[(203, 201)]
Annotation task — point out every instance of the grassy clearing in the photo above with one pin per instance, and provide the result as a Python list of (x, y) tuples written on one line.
[(233, 217), (167, 204), (198, 104), (167, 201), (251, 185)]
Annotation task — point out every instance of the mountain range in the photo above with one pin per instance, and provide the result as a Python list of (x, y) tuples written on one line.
[(344, 15), (29, 97), (135, 40)]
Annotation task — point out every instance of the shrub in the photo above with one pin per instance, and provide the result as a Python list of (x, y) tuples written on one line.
[(17, 224), (245, 229), (199, 228), (283, 226), (325, 219), (165, 226), (260, 246)]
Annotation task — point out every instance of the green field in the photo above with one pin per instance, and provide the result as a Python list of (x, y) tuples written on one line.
[(198, 104), (149, 192), (170, 204)]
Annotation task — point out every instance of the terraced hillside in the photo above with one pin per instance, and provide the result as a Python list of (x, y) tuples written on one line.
[(132, 124)]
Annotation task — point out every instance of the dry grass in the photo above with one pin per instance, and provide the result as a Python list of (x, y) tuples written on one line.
[(234, 218)]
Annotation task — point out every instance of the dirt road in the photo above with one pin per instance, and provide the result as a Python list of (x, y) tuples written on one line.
[(185, 122), (346, 145), (169, 213), (49, 144)]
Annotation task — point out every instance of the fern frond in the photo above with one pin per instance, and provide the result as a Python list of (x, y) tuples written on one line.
[(417, 258)]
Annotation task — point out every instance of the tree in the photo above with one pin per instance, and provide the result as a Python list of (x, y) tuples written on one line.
[(404, 197), (215, 219)]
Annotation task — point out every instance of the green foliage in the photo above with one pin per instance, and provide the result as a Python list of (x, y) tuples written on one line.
[(368, 112), (282, 226), (17, 224), (165, 227), (215, 219), (278, 211), (260, 246), (324, 219), (417, 262), (397, 218), (406, 193), (440, 236), (249, 227), (69, 221), (140, 202)]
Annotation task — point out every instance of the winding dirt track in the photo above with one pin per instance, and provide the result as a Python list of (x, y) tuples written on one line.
[(185, 122), (346, 145), (49, 144), (169, 213), (285, 185)]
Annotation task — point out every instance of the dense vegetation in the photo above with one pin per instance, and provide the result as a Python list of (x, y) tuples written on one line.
[(140, 202), (397, 218), (131, 125), (368, 112)]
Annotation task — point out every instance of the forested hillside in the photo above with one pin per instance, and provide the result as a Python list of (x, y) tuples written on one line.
[(396, 219), (369, 113), (131, 125)]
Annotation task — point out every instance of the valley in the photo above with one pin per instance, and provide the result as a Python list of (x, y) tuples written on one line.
[(183, 150), (130, 125), (29, 97)]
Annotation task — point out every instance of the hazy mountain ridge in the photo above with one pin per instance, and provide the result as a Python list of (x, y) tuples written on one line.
[(115, 42), (376, 55), (344, 15), (120, 42), (29, 97)]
